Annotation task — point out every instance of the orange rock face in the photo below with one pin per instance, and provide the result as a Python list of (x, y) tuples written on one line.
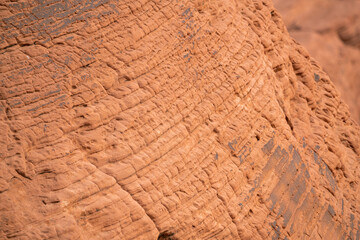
[(169, 119), (330, 30)]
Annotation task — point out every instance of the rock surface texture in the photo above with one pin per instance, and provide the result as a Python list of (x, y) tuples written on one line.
[(184, 119), (330, 30)]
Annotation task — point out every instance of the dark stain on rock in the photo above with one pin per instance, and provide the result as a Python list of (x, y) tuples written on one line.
[(316, 77), (268, 146)]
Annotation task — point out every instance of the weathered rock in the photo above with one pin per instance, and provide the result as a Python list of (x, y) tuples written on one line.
[(181, 120), (330, 30)]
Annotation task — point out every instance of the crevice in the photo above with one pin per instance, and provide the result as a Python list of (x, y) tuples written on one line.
[(167, 235), (25, 44), (289, 123), (9, 46), (21, 173), (330, 191), (85, 66), (45, 171), (348, 144)]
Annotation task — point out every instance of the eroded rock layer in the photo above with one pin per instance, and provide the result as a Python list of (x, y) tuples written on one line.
[(189, 119)]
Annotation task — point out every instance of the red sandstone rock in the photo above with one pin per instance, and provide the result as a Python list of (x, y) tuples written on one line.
[(330, 30), (183, 120)]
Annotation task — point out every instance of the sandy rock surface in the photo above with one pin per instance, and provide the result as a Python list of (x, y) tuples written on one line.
[(330, 30), (184, 119)]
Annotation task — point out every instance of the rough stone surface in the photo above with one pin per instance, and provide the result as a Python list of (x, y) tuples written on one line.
[(170, 119), (330, 30)]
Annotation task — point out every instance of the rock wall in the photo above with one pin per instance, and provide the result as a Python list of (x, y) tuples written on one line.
[(169, 119), (330, 30)]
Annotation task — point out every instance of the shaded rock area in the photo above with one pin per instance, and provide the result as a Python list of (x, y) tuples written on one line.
[(169, 120), (330, 30)]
